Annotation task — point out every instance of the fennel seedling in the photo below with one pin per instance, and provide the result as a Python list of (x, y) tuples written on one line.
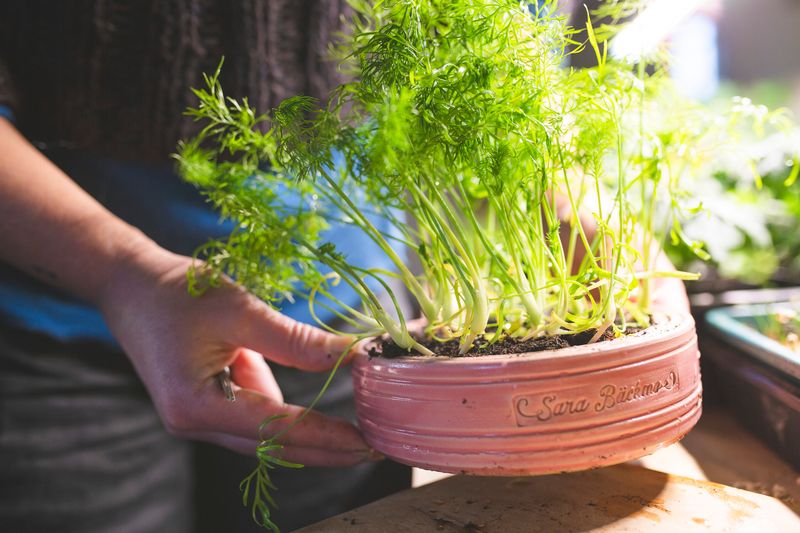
[(535, 194)]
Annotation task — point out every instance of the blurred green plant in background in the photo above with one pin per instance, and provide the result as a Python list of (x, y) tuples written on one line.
[(751, 204)]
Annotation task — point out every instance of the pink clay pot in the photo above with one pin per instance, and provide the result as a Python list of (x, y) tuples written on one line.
[(538, 413)]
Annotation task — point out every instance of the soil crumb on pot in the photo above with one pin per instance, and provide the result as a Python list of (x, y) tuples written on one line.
[(481, 346)]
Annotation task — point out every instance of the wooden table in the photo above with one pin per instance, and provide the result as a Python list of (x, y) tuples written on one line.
[(720, 450), (647, 497)]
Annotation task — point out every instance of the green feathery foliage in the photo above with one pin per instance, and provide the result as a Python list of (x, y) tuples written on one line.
[(461, 116)]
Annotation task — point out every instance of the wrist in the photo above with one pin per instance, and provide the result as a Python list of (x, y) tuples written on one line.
[(139, 264)]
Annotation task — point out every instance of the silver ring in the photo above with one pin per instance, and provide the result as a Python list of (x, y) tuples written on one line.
[(225, 382)]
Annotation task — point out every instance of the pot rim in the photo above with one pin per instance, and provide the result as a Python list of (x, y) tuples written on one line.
[(664, 327)]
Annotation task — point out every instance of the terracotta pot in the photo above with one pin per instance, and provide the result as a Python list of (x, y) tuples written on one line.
[(537, 413)]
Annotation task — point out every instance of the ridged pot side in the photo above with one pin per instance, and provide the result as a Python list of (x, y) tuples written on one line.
[(538, 413)]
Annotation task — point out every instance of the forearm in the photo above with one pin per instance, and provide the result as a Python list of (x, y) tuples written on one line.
[(52, 229)]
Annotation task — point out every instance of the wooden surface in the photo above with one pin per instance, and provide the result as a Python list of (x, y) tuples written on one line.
[(651, 496), (718, 449), (618, 498), (726, 453)]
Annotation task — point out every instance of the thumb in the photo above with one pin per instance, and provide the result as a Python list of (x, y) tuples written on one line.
[(288, 342)]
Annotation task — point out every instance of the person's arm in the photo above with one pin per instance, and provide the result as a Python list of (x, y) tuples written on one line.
[(52, 229)]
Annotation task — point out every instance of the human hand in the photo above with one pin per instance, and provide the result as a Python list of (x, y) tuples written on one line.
[(669, 294), (179, 344)]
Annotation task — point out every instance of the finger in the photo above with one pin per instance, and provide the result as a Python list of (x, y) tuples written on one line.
[(669, 294), (293, 454), (318, 457), (243, 417), (288, 342), (250, 371), (231, 442)]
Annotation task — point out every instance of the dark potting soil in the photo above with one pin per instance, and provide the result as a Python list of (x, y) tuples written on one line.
[(481, 346)]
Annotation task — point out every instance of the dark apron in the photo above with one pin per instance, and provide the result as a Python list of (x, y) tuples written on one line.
[(82, 450)]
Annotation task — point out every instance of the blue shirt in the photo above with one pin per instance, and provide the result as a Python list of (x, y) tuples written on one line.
[(172, 213)]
